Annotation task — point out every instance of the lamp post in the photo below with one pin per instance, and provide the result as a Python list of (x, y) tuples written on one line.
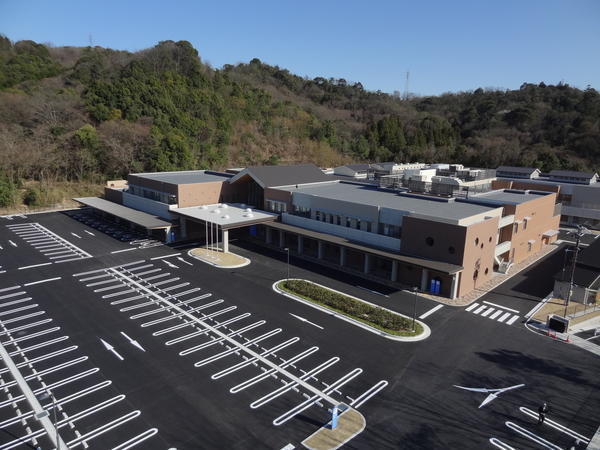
[(287, 249), (579, 233), (415, 289), (42, 396)]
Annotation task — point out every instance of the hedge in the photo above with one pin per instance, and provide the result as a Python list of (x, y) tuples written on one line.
[(356, 309)]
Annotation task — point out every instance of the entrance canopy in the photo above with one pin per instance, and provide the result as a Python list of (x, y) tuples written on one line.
[(226, 215), (140, 218)]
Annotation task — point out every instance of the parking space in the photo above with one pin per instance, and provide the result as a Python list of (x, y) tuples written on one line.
[(234, 347), (52, 246), (82, 404)]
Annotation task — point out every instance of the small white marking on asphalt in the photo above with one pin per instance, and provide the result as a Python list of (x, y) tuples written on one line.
[(512, 320), (184, 261), (13, 244), (133, 342), (496, 314), (473, 306), (89, 232), (501, 445), (487, 312), (170, 264), (165, 256), (42, 281), (504, 317), (35, 265), (478, 310), (1, 248), (288, 447), (431, 311), (110, 348), (556, 425), (76, 235), (532, 436), (302, 319), (500, 306), (125, 250)]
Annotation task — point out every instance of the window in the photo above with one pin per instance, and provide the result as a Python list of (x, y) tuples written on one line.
[(317, 215), (481, 245), (429, 241), (529, 246), (487, 270), (525, 224), (475, 274), (476, 242), (516, 228), (490, 239)]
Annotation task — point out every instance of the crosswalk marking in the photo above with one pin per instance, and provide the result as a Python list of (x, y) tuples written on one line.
[(499, 315)]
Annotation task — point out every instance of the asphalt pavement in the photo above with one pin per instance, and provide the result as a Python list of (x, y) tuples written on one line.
[(178, 389)]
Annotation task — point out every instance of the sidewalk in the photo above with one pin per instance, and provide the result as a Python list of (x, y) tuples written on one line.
[(493, 283)]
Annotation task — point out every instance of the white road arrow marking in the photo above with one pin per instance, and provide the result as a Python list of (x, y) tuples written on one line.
[(184, 261), (89, 232), (493, 393), (76, 235), (170, 264), (302, 319), (133, 342), (13, 244), (1, 248), (110, 348)]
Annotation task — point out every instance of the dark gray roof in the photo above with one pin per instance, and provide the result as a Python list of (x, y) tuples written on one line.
[(271, 176), (526, 170), (507, 196), (369, 195), (185, 176), (572, 173), (132, 215)]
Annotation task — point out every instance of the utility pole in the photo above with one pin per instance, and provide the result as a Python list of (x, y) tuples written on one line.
[(581, 231), (406, 85)]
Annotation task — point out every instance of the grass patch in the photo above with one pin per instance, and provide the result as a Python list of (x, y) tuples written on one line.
[(355, 309)]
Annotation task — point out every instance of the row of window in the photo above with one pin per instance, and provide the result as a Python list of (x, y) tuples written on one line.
[(151, 194)]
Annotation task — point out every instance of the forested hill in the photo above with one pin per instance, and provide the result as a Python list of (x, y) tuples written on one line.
[(87, 114)]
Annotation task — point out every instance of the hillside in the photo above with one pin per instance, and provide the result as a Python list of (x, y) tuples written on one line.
[(81, 115)]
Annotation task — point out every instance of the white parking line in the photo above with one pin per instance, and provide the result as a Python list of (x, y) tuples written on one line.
[(302, 319), (504, 317), (512, 320), (24, 327), (30, 336), (12, 243), (501, 445), (165, 256), (431, 311), (14, 294), (556, 425), (532, 436), (472, 307), (136, 440), (42, 281), (202, 332), (35, 265), (103, 429), (496, 314), (125, 250), (481, 308), (487, 312), (89, 232), (10, 288), (500, 306), (237, 332), (361, 399), (76, 235)]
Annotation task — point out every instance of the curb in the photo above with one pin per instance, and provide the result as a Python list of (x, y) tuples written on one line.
[(424, 335), (237, 266)]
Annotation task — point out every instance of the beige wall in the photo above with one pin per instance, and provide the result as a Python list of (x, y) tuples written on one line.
[(116, 183), (197, 194), (541, 211), (472, 257), (279, 196)]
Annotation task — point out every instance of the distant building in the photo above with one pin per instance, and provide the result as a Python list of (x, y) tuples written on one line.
[(353, 170), (570, 176), (518, 172)]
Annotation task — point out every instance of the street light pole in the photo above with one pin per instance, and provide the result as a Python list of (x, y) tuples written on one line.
[(55, 426), (287, 249), (581, 231), (415, 289)]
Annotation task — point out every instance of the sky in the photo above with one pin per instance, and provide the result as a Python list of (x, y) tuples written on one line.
[(445, 46)]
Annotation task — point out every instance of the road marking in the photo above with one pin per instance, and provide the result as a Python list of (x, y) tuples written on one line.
[(512, 320), (504, 317), (481, 308), (496, 314), (372, 291), (89, 232), (14, 294), (431, 311), (532, 436), (165, 256), (137, 439), (487, 312), (133, 342), (13, 244), (210, 343), (501, 445), (104, 428), (289, 446), (110, 348), (10, 288), (170, 264), (42, 281), (500, 306), (473, 306), (125, 250), (184, 261), (492, 393), (358, 401), (556, 425), (302, 319), (76, 235)]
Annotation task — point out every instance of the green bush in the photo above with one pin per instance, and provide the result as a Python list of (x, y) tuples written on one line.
[(32, 197), (372, 315)]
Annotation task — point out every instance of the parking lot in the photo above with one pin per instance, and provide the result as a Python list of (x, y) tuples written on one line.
[(185, 355)]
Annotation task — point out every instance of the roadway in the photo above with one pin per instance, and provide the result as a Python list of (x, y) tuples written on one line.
[(418, 408)]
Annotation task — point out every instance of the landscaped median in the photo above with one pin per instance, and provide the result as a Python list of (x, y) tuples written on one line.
[(371, 317)]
